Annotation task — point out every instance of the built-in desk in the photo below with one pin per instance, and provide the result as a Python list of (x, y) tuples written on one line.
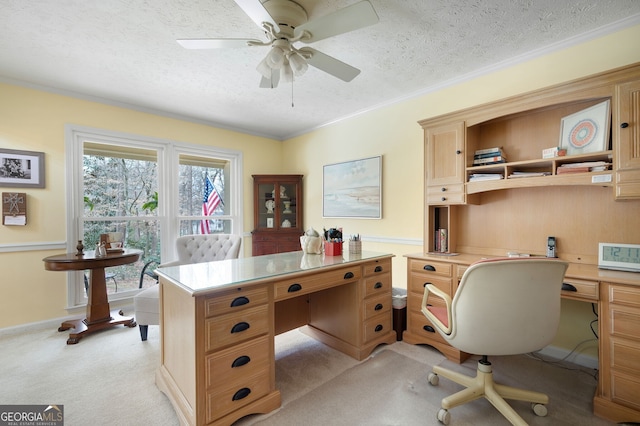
[(218, 321), (617, 294)]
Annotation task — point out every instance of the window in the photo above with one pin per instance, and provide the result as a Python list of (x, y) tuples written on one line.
[(150, 191)]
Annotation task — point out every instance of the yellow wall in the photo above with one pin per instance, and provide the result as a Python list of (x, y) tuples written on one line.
[(34, 120), (393, 132)]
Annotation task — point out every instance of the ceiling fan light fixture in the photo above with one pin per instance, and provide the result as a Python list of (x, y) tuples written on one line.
[(298, 64), (264, 69), (275, 58), (286, 75)]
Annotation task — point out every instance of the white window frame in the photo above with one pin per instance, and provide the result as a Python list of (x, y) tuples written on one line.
[(167, 211)]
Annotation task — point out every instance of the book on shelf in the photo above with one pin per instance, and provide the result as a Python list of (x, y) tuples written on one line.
[(589, 166), (441, 240), (475, 177), (488, 150), (498, 159), (498, 152), (527, 174)]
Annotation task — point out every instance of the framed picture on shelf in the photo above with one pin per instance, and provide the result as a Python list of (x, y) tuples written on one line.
[(21, 169), (353, 189), (586, 131)]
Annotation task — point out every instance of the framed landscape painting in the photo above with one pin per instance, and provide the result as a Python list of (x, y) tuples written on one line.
[(353, 189)]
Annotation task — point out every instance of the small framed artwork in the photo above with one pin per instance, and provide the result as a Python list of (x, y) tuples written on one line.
[(586, 131), (21, 169), (269, 222), (353, 189)]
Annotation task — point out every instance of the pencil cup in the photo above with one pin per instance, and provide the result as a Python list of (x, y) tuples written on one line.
[(355, 247)]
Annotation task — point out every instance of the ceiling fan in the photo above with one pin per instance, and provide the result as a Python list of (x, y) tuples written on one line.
[(285, 22)]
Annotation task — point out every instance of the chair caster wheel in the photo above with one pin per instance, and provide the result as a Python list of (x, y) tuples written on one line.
[(433, 379), (539, 409), (443, 416)]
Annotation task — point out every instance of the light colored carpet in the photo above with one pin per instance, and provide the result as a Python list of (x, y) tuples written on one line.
[(109, 378)]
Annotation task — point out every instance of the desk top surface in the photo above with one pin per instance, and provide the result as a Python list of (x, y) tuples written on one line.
[(207, 276)]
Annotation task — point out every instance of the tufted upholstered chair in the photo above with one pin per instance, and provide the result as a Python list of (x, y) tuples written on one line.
[(501, 307), (191, 249)]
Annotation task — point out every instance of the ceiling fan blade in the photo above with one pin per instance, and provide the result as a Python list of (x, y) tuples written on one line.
[(330, 65), (215, 43), (270, 83), (256, 11), (342, 21)]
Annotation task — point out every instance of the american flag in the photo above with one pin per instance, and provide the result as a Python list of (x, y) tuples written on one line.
[(210, 202)]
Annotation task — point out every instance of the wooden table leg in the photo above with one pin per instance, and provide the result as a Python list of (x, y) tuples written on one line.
[(99, 316)]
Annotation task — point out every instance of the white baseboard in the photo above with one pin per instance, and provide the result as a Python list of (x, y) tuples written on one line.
[(587, 361)]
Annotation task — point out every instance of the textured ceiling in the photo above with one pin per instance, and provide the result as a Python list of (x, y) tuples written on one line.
[(124, 52)]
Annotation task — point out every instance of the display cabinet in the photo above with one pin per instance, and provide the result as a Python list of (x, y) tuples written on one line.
[(277, 213)]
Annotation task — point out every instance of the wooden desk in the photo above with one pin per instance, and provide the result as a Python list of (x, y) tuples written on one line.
[(99, 316), (218, 321), (617, 294)]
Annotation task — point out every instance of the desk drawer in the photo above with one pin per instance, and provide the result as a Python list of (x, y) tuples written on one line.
[(377, 326), (309, 284), (625, 389), (236, 327), (421, 326), (418, 281), (235, 300), (376, 284), (625, 322), (430, 267), (236, 363), (236, 395), (584, 290), (376, 306), (377, 267)]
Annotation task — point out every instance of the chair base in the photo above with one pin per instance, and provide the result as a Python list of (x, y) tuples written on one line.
[(483, 386)]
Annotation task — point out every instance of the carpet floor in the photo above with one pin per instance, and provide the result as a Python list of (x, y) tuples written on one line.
[(109, 378)]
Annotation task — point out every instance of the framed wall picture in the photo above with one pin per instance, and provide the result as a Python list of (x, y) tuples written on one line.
[(353, 189), (587, 131), (21, 169)]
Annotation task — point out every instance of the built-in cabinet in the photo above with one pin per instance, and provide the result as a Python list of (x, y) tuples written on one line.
[(277, 213), (628, 135), (523, 126), (619, 384)]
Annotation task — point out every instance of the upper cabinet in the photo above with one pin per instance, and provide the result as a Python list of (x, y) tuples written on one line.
[(626, 131), (519, 128), (445, 163)]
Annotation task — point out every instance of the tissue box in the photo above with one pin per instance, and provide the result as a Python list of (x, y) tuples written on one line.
[(332, 249), (554, 152)]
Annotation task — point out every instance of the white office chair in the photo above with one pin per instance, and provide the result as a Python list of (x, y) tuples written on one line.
[(501, 307), (191, 249)]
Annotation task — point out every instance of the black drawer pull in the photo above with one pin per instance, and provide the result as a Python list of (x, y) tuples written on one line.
[(378, 307), (429, 329), (425, 284), (294, 287), (240, 361), (624, 125), (242, 393), (377, 285), (348, 275), (429, 268), (568, 287), (378, 269), (241, 326), (239, 301), (379, 327)]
